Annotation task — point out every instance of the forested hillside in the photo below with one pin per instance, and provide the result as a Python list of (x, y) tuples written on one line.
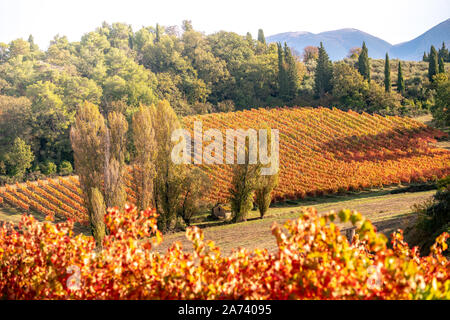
[(119, 69)]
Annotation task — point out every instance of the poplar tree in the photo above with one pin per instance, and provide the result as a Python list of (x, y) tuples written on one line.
[(169, 176), (87, 136), (115, 150), (387, 74), (144, 157), (400, 81), (324, 72)]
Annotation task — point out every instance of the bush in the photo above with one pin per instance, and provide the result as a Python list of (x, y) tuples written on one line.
[(65, 168), (314, 261), (48, 167)]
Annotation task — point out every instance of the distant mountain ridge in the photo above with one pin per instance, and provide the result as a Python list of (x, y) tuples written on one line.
[(339, 42)]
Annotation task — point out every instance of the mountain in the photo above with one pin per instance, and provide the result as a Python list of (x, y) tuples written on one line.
[(414, 49), (339, 42)]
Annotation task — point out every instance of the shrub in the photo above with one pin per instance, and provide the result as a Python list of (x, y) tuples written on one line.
[(48, 167), (314, 261), (65, 168)]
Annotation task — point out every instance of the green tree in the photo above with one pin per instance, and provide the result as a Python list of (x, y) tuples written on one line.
[(440, 110), (400, 81), (261, 37), (432, 64), (363, 63), (324, 73), (441, 65), (19, 158), (387, 74), (292, 77)]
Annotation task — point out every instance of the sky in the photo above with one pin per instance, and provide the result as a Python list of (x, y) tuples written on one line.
[(395, 21)]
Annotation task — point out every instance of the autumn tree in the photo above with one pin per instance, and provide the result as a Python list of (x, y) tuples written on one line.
[(88, 143), (144, 143), (169, 175), (310, 53), (115, 151), (244, 181), (195, 185), (265, 183)]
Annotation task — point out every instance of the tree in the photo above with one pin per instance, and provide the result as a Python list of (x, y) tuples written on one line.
[(441, 65), (282, 74), (97, 217), (310, 53), (144, 143), (387, 74), (169, 175), (432, 64), (440, 110), (400, 81), (88, 143), (443, 53), (324, 72), (425, 57), (243, 186), (195, 185), (292, 77), (354, 53), (363, 63), (19, 158), (261, 37), (265, 186), (115, 149)]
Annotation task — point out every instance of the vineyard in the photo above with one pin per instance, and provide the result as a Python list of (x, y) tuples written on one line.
[(322, 151)]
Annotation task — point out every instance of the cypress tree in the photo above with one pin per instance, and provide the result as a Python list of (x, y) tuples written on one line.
[(157, 33), (324, 72), (443, 53), (363, 63), (387, 74), (441, 65), (282, 76), (425, 57), (400, 81), (292, 78), (261, 37), (432, 63)]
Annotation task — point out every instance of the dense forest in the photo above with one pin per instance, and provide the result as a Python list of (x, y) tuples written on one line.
[(119, 69)]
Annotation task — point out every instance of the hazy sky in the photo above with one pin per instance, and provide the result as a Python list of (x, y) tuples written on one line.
[(392, 20)]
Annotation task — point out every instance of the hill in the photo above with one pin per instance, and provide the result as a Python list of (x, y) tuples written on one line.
[(414, 49), (339, 42)]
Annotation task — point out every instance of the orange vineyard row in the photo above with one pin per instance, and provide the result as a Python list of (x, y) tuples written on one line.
[(322, 151)]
